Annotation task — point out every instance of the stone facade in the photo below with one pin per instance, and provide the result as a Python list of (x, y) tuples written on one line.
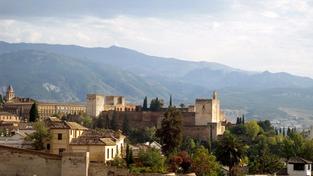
[(103, 146), (21, 106), (8, 117), (205, 121), (97, 103), (62, 134)]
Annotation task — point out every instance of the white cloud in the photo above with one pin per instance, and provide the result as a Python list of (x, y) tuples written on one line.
[(259, 35)]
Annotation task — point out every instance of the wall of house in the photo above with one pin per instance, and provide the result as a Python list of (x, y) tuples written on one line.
[(96, 152), (26, 162), (56, 144), (305, 172)]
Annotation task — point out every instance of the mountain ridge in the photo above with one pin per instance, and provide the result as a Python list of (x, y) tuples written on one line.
[(69, 72)]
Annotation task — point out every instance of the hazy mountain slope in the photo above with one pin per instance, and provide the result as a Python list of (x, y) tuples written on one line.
[(204, 74), (216, 79), (68, 73), (50, 76), (124, 58)]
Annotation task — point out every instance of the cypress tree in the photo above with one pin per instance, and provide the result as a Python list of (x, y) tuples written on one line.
[(170, 104), (1, 99), (237, 122), (170, 132), (145, 104), (243, 119), (33, 113), (129, 156)]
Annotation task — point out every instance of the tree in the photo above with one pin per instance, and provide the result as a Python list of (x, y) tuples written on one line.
[(180, 161), (261, 160), (266, 125), (87, 121), (129, 156), (145, 104), (126, 128), (170, 104), (170, 132), (1, 99), (142, 135), (40, 136), (229, 151), (243, 119), (152, 159), (182, 105), (205, 163), (33, 113), (252, 129), (188, 144), (155, 104)]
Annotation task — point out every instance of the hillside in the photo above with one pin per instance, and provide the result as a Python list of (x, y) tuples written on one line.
[(54, 77), (68, 73)]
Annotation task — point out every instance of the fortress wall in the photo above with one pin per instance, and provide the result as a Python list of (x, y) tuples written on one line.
[(197, 132), (24, 162)]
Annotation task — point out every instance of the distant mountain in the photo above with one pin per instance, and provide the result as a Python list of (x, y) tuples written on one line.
[(55, 77), (69, 72)]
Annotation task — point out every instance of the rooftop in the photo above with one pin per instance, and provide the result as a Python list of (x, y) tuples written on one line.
[(298, 160), (97, 137), (55, 123)]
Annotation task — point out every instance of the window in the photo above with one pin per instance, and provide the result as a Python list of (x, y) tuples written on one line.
[(298, 166), (117, 149), (48, 146), (108, 153), (61, 150), (60, 136), (112, 153), (309, 166)]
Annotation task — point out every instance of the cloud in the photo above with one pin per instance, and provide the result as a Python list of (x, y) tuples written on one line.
[(253, 35)]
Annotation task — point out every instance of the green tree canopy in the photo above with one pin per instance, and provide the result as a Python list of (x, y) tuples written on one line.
[(252, 129), (205, 163), (40, 136), (229, 151), (156, 104), (170, 132), (152, 159), (145, 104)]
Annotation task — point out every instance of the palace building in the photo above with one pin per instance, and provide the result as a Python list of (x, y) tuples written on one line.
[(21, 106)]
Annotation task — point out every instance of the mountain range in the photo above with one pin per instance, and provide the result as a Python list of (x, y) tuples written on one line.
[(67, 73)]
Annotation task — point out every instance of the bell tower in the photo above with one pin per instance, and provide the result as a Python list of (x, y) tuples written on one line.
[(10, 94)]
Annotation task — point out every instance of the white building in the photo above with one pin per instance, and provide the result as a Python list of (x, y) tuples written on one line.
[(299, 167)]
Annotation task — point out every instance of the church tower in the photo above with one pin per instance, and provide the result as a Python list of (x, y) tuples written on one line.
[(10, 94)]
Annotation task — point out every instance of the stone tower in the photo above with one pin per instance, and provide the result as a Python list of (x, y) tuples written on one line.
[(207, 110), (95, 104), (10, 94), (208, 113)]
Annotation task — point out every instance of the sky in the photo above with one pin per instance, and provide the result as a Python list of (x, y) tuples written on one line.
[(256, 35)]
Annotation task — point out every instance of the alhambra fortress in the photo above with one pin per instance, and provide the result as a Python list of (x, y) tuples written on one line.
[(75, 147)]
